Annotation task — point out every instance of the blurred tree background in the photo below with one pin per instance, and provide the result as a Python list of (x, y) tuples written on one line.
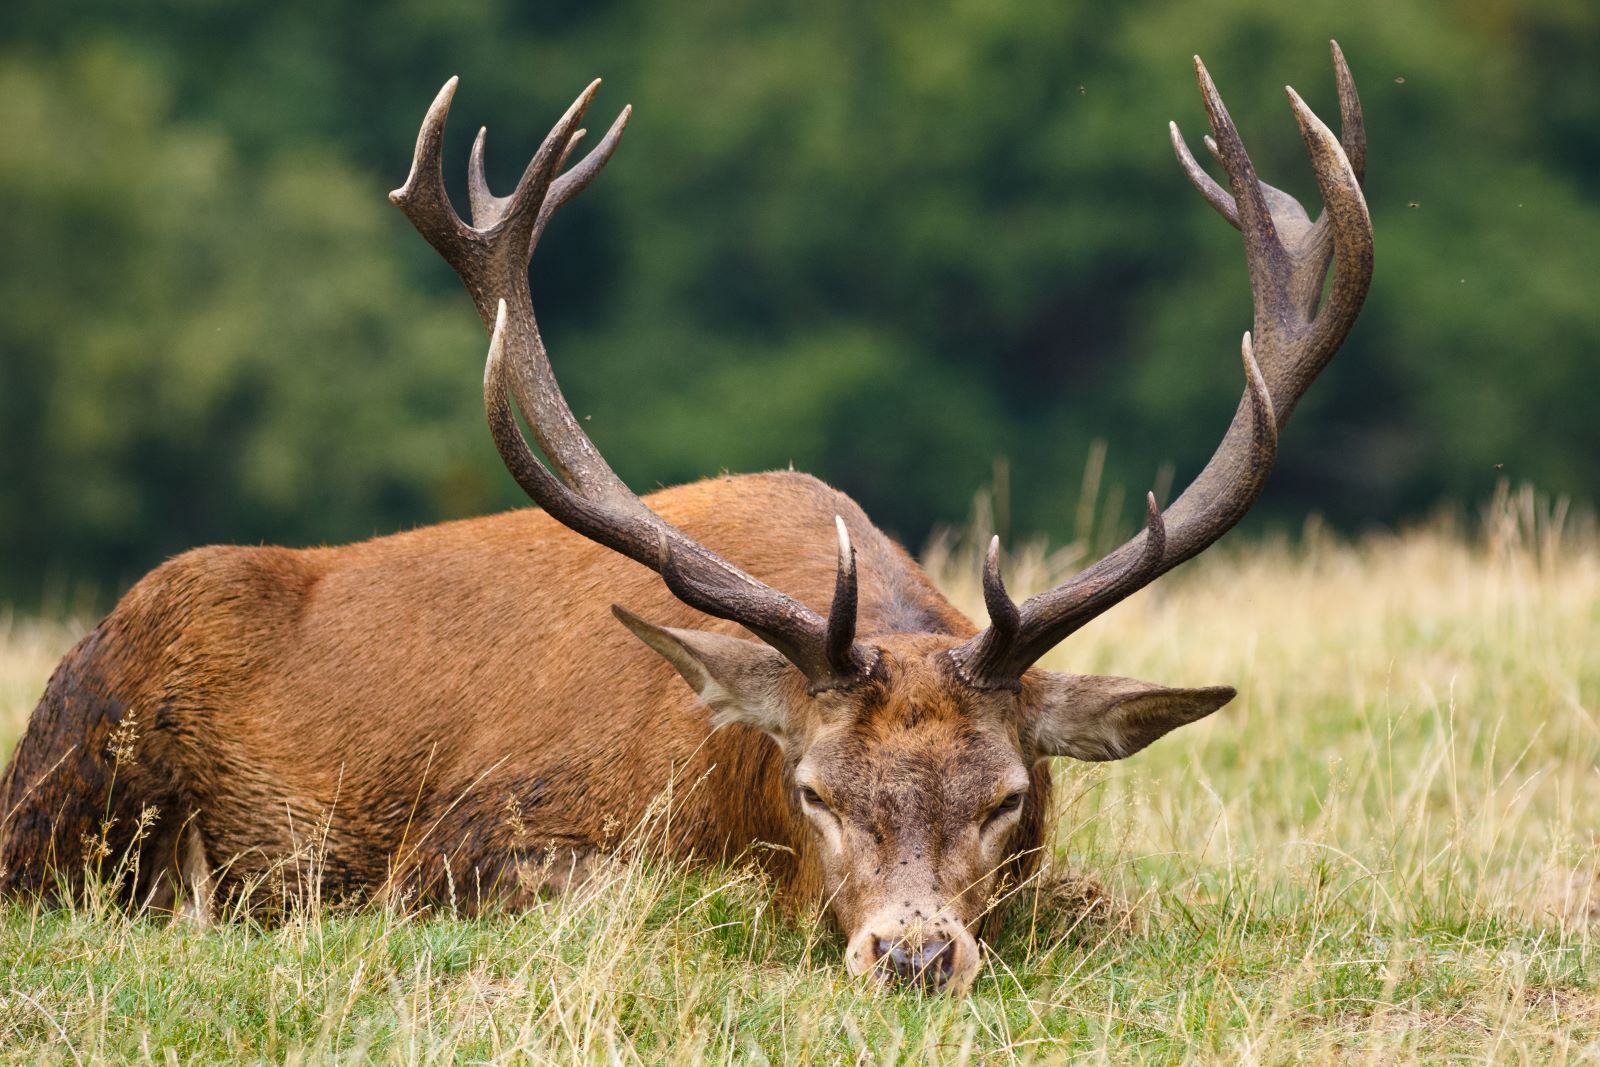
[(887, 242)]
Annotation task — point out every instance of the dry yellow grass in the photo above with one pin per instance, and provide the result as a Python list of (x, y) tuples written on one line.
[(1382, 852)]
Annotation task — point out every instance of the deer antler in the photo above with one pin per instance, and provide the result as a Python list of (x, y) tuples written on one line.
[(491, 257), (1294, 338)]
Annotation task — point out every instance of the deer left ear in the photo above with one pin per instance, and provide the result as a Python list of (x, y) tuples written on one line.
[(1094, 717), (739, 680)]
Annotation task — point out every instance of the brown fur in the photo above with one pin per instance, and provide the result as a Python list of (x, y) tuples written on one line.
[(423, 711)]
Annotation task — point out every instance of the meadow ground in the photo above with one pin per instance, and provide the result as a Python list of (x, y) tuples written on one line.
[(1382, 852)]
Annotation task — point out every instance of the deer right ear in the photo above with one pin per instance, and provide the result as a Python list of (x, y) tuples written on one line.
[(739, 680), (1096, 717)]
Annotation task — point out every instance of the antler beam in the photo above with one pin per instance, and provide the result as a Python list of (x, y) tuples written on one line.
[(579, 487)]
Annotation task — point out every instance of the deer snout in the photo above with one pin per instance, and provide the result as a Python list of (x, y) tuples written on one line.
[(939, 955)]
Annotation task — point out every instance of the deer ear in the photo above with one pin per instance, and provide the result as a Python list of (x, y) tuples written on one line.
[(1094, 717), (739, 680)]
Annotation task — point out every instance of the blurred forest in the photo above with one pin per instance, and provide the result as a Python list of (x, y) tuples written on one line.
[(887, 242)]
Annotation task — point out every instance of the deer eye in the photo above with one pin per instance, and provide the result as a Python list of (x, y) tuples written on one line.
[(1005, 807), (813, 799)]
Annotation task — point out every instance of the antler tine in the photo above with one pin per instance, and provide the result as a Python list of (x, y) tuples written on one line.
[(1352, 125), (1293, 339), (1265, 257), (708, 583), (1205, 184), (1344, 210), (578, 178), (1003, 615), (423, 197), (534, 478), (487, 209), (837, 650)]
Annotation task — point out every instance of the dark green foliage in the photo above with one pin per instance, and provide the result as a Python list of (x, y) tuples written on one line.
[(886, 242)]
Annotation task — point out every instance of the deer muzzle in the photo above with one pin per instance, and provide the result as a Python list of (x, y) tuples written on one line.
[(937, 953)]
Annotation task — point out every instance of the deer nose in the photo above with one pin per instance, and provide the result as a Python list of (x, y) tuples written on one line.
[(928, 962)]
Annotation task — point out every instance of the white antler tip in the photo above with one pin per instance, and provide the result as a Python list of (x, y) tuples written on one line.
[(847, 554), (497, 351)]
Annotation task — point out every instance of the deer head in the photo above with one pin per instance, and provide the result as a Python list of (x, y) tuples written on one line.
[(917, 758)]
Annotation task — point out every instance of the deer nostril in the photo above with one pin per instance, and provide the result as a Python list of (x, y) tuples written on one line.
[(941, 961), (930, 963), (893, 955)]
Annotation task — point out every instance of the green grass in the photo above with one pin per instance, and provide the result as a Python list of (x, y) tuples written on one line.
[(1382, 852)]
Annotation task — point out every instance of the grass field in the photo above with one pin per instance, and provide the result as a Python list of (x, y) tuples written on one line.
[(1382, 852)]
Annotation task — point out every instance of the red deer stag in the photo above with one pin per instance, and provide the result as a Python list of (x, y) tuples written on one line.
[(443, 714)]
